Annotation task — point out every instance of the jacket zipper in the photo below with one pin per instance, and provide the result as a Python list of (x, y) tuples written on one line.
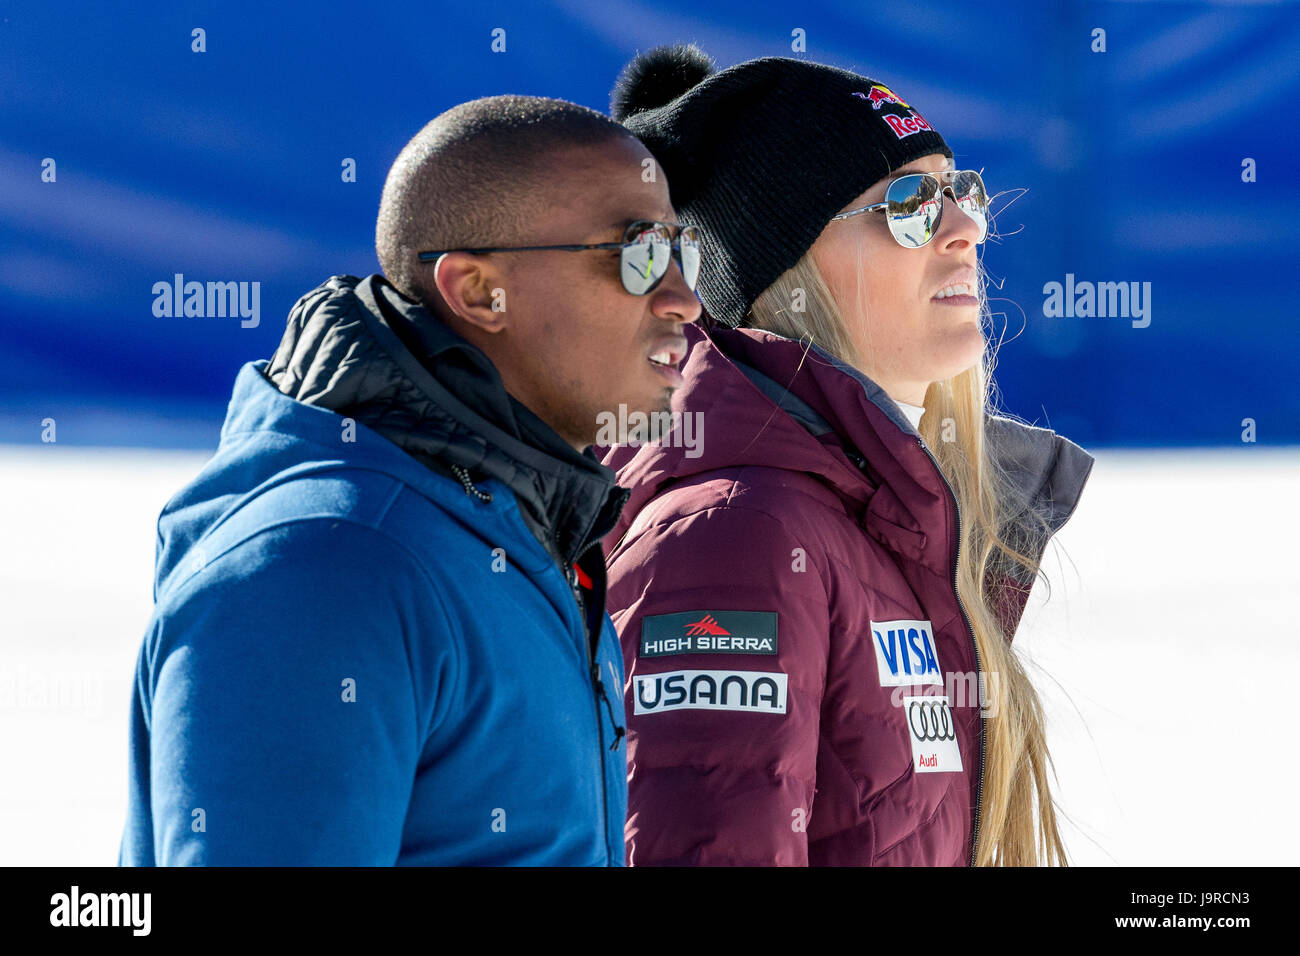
[(597, 691), (979, 795), (598, 688)]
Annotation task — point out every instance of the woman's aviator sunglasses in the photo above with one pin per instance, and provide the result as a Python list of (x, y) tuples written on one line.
[(913, 204), (644, 254)]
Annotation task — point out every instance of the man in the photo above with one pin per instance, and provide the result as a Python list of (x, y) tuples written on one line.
[(379, 635)]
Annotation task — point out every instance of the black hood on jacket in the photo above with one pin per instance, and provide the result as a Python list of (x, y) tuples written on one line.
[(360, 348)]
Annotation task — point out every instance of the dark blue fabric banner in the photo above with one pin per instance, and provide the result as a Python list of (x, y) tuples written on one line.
[(1144, 154)]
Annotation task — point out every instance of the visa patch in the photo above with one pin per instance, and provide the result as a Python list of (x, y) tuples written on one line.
[(932, 729), (905, 653), (759, 692), (709, 632)]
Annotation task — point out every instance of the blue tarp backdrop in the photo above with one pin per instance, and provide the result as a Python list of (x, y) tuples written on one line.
[(1127, 165)]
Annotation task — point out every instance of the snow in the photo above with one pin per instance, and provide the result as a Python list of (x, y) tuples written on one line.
[(1162, 657)]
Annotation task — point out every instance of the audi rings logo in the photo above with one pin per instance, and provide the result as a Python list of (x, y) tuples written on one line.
[(930, 720), (933, 734)]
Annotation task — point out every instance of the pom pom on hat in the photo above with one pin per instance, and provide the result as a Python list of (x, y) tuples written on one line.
[(657, 77)]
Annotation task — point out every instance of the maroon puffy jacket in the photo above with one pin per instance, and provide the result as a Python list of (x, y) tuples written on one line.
[(801, 676)]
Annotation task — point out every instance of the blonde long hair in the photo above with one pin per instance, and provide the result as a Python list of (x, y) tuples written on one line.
[(1016, 756)]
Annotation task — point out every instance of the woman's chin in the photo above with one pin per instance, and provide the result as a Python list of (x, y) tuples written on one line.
[(957, 358)]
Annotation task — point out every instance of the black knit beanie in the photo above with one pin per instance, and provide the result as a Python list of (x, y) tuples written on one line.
[(761, 155)]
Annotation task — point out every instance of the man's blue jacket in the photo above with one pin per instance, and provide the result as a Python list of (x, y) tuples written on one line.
[(370, 644)]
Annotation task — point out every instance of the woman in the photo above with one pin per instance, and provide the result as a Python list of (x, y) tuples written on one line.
[(817, 598)]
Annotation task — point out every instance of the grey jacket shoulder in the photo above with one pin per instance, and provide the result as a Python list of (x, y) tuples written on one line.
[(1047, 471)]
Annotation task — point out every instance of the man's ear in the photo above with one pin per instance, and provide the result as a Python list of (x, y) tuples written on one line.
[(472, 289)]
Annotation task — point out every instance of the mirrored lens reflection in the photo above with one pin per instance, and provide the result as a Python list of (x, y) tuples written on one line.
[(968, 187), (691, 254), (915, 205), (645, 260)]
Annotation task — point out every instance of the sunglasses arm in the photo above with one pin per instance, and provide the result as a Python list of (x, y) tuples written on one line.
[(854, 212)]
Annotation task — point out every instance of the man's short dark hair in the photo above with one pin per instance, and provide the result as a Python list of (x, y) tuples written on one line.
[(476, 176)]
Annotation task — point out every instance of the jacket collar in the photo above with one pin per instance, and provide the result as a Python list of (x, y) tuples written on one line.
[(360, 348), (1046, 471), (829, 396)]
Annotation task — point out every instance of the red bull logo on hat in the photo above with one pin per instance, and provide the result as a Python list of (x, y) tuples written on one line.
[(903, 124), (880, 95), (906, 124)]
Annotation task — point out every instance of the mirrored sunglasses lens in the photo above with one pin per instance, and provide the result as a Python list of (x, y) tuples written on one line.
[(691, 256), (915, 205), (645, 259), (972, 199)]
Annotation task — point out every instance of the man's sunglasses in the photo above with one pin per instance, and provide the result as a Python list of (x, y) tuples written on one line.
[(913, 204), (645, 253)]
